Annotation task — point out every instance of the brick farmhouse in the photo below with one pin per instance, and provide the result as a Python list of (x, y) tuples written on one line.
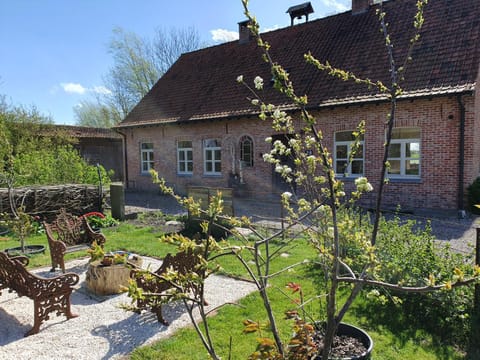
[(196, 126)]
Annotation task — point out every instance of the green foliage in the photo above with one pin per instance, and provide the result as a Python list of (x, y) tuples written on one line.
[(96, 252), (22, 225), (409, 256), (474, 196), (93, 113), (406, 253), (193, 228), (33, 152), (103, 221), (62, 165)]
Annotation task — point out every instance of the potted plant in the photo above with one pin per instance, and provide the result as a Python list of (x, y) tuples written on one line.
[(21, 225), (96, 252)]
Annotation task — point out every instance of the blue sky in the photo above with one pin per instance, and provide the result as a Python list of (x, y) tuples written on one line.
[(54, 52)]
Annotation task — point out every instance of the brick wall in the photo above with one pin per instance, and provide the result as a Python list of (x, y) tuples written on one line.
[(438, 119)]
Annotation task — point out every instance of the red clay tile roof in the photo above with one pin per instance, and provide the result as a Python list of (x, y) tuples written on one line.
[(202, 84)]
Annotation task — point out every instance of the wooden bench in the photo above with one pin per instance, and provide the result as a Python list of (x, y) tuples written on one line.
[(48, 294), (155, 285), (69, 233)]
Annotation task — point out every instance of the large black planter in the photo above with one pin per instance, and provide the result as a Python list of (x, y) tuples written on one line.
[(357, 333), (29, 250)]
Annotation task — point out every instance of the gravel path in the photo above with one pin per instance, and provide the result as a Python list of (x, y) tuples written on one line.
[(102, 330)]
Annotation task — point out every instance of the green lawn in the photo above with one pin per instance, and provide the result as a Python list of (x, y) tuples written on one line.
[(226, 325)]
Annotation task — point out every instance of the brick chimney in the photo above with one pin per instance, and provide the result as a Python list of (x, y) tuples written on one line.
[(361, 6), (244, 33)]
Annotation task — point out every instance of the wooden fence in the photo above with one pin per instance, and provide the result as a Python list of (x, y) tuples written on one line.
[(46, 201)]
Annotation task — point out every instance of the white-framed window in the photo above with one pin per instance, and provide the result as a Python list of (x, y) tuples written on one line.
[(146, 156), (344, 141), (212, 157), (404, 153), (246, 151), (184, 157)]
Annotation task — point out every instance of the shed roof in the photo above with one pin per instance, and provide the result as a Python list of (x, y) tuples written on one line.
[(89, 132)]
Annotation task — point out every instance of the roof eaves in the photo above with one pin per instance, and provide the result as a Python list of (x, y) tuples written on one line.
[(438, 91), (419, 93)]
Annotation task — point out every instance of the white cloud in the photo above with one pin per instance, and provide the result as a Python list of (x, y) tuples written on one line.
[(101, 90), (73, 88), (222, 35), (337, 5)]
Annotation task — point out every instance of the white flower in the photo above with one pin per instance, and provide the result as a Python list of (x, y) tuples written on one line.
[(258, 81), (240, 79), (363, 185), (287, 195), (268, 139), (255, 102), (268, 157)]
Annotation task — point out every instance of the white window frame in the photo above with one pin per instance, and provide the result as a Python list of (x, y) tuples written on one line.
[(212, 157), (403, 154), (146, 157), (184, 157), (348, 144)]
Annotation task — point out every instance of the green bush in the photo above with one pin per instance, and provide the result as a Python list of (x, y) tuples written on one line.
[(474, 196), (194, 230), (34, 152), (410, 255), (99, 220)]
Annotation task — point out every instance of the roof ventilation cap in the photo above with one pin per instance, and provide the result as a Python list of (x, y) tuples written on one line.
[(298, 11)]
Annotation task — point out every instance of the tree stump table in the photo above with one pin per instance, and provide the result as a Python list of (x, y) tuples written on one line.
[(107, 279)]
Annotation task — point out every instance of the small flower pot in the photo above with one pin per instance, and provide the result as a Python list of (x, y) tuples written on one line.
[(29, 250)]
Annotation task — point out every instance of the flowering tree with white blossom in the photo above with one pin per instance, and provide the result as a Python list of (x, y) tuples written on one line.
[(320, 206), (320, 210)]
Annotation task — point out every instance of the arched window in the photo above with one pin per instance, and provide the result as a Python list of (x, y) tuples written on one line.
[(246, 151)]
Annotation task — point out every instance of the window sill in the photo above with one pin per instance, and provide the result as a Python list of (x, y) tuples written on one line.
[(348, 177), (404, 180)]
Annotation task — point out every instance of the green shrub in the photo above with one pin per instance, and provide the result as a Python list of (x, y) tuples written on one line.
[(193, 229), (99, 220), (409, 254), (474, 196)]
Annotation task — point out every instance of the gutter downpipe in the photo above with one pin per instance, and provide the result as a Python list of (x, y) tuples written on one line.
[(461, 160)]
